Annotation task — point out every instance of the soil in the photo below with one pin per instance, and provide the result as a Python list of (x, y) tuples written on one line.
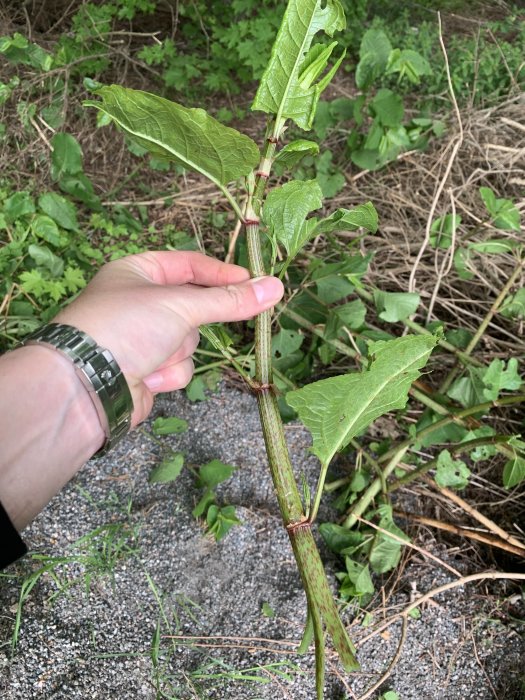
[(466, 644)]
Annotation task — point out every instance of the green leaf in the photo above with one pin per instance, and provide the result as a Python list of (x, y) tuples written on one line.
[(514, 307), (386, 551), (367, 158), (169, 426), (44, 257), (352, 314), (60, 210), (189, 137), (339, 538), (451, 473), (221, 520), (467, 391), (337, 409), (74, 279), (168, 470), (333, 288), (81, 188), (32, 282), (215, 472), (496, 378), (295, 151), (396, 306), (442, 230), (267, 610), (18, 205), (388, 108), (496, 246), (195, 389), (373, 53), (480, 452), (408, 63), (361, 216), (44, 227), (505, 215), (461, 263), (287, 88), (206, 500), (328, 175), (391, 694), (357, 581), (19, 50), (285, 211), (514, 472), (286, 342), (66, 157)]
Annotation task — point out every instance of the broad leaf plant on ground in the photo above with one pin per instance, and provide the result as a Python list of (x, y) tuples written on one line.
[(335, 410)]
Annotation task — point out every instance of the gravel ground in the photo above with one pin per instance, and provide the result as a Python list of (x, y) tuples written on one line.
[(98, 643)]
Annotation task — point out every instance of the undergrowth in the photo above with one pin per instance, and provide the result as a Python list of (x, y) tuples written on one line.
[(460, 431)]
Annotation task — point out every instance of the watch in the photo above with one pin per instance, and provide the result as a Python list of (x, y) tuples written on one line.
[(99, 373)]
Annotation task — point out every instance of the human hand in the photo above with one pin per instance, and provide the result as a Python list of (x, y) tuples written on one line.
[(146, 309)]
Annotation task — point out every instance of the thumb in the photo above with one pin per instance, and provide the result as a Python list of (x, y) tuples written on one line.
[(234, 302)]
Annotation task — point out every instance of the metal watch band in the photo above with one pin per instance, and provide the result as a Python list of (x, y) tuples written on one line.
[(98, 371)]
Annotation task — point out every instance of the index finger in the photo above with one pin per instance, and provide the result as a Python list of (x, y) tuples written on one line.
[(187, 267)]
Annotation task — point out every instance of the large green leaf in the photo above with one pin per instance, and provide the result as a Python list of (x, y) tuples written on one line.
[(190, 137), (337, 409), (286, 209), (288, 88)]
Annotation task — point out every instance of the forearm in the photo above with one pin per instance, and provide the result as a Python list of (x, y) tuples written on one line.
[(48, 429)]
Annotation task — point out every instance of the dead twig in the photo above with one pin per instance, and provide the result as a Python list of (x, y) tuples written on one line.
[(453, 155), (482, 576), (450, 495), (392, 664), (461, 531)]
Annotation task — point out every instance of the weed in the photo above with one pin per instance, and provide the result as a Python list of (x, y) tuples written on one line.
[(93, 556)]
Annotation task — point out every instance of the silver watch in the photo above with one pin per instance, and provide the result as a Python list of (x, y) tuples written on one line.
[(99, 373)]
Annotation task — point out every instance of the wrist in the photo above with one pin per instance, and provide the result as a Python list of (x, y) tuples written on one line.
[(98, 371), (48, 428)]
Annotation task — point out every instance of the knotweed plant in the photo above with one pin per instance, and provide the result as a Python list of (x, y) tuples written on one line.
[(278, 223)]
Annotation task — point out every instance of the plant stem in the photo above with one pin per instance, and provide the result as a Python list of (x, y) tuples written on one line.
[(318, 593), (457, 418), (361, 506), (392, 455)]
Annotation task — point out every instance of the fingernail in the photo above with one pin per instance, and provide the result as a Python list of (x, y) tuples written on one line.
[(267, 289), (153, 381)]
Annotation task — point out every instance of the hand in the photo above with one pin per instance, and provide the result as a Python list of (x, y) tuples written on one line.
[(146, 309)]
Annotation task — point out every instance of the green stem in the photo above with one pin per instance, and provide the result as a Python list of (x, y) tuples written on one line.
[(455, 449), (456, 418), (393, 454), (362, 505), (318, 593), (231, 199)]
